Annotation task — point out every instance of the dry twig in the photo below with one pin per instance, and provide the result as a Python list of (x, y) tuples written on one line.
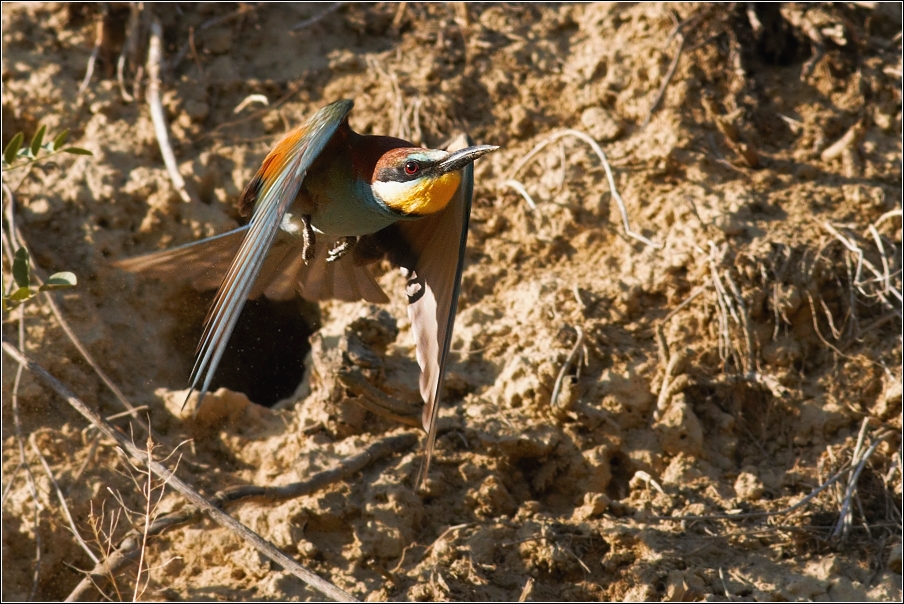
[(524, 161), (846, 469), (155, 55), (673, 364), (519, 188), (21, 443), (526, 590), (849, 140), (61, 498), (130, 53), (130, 546), (725, 306), (244, 9), (553, 401), (665, 81), (858, 462), (37, 272), (318, 17), (217, 515), (92, 60), (12, 242), (697, 291), (861, 262)]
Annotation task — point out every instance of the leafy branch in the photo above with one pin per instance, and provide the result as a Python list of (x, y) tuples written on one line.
[(16, 155), (22, 277)]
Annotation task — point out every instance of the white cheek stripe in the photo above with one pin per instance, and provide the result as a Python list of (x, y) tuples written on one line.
[(393, 192)]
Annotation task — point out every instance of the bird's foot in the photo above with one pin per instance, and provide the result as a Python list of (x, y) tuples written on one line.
[(307, 252), (342, 247)]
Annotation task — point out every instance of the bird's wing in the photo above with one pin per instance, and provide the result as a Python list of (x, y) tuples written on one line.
[(275, 187), (200, 263), (344, 279), (434, 267)]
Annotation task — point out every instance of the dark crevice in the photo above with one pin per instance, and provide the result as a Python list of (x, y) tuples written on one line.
[(265, 355)]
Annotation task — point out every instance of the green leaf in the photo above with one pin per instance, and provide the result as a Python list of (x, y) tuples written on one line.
[(60, 280), (21, 268), (23, 293), (77, 151), (60, 139), (37, 140), (9, 155)]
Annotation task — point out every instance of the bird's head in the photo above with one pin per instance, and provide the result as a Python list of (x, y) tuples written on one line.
[(417, 182)]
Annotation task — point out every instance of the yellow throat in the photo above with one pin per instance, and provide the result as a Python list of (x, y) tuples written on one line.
[(419, 197)]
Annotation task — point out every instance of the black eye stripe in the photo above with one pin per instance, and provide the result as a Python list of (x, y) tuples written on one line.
[(400, 173)]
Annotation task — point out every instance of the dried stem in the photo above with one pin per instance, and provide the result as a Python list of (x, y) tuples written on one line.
[(155, 54), (129, 546), (517, 186), (67, 329), (148, 491), (553, 401), (92, 60), (526, 590), (745, 324), (602, 157), (665, 81), (217, 515), (61, 498), (858, 461), (673, 364), (17, 422), (699, 290), (129, 50), (318, 17), (244, 9), (12, 480), (861, 262)]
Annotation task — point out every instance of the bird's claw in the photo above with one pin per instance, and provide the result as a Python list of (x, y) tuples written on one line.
[(307, 252), (342, 247)]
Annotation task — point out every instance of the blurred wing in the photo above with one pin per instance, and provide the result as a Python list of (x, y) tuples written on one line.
[(276, 186), (345, 279), (437, 253), (201, 263)]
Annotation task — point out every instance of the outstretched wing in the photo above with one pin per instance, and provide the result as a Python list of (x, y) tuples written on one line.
[(276, 186), (203, 263), (200, 263), (434, 263)]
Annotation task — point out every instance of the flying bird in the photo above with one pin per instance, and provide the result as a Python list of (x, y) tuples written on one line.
[(326, 203)]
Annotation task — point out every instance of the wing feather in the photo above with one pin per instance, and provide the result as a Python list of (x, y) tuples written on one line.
[(435, 264), (200, 263), (344, 279), (281, 177)]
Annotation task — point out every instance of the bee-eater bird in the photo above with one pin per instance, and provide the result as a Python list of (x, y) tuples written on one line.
[(326, 203)]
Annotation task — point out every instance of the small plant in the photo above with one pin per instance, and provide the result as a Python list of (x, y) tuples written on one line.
[(18, 156), (30, 154), (22, 278)]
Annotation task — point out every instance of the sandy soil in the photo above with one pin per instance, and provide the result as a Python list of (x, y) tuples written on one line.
[(731, 371)]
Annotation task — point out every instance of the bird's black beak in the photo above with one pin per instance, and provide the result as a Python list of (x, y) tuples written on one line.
[(462, 158)]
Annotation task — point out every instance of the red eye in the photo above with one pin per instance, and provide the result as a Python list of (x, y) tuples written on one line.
[(411, 168)]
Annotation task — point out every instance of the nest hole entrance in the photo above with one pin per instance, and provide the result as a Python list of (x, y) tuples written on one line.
[(264, 358)]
